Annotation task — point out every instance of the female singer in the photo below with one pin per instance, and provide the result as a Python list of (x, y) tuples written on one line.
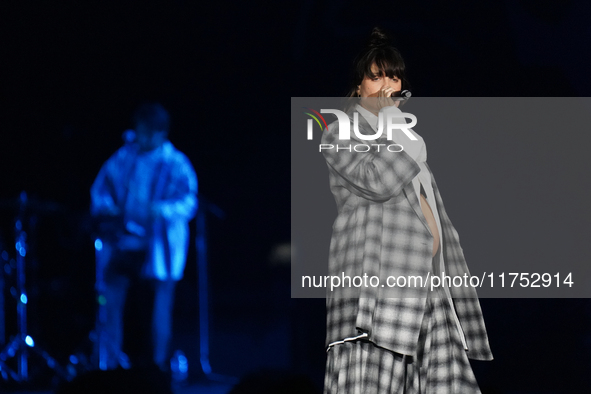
[(392, 222)]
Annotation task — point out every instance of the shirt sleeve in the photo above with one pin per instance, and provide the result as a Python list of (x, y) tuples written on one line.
[(102, 192), (181, 197), (376, 175)]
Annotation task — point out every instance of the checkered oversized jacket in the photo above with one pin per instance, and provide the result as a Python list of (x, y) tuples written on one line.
[(380, 231)]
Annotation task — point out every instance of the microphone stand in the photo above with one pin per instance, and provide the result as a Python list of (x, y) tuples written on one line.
[(203, 281), (22, 343)]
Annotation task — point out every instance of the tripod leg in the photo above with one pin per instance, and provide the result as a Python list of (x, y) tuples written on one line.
[(8, 352), (52, 363)]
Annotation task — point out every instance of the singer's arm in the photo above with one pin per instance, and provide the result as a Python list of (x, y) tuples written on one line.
[(109, 186), (180, 200), (102, 194)]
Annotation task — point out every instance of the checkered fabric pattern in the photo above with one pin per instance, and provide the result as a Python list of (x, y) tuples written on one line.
[(441, 365), (380, 231)]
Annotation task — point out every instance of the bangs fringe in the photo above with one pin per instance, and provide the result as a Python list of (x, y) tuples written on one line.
[(389, 64)]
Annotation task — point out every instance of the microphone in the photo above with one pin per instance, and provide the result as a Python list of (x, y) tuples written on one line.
[(401, 95)]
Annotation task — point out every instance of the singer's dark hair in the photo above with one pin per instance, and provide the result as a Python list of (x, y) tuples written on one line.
[(378, 50), (153, 115)]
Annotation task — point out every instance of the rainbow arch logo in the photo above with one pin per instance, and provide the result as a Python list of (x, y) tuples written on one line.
[(314, 116)]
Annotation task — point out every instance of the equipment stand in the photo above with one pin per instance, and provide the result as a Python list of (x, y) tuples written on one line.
[(22, 343), (203, 280)]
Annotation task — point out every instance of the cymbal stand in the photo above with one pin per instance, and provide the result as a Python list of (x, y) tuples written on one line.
[(22, 343), (4, 369), (3, 269)]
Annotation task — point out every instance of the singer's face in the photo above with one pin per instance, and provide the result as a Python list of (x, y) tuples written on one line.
[(148, 139), (375, 90), (379, 85)]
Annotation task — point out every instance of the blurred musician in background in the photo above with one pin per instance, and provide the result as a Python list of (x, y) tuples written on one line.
[(143, 197)]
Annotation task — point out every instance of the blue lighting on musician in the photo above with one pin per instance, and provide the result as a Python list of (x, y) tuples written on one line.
[(183, 365), (98, 244)]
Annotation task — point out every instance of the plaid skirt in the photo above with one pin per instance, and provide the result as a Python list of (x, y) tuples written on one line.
[(441, 365)]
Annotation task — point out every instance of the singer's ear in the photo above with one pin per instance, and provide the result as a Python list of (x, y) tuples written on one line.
[(359, 90)]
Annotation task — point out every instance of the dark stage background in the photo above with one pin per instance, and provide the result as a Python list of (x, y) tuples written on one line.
[(72, 72)]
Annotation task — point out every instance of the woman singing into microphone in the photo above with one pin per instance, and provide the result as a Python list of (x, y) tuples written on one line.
[(392, 223)]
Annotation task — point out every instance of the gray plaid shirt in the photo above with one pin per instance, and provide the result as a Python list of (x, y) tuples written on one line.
[(380, 231)]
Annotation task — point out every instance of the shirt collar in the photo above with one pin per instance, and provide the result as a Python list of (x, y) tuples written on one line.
[(371, 119)]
